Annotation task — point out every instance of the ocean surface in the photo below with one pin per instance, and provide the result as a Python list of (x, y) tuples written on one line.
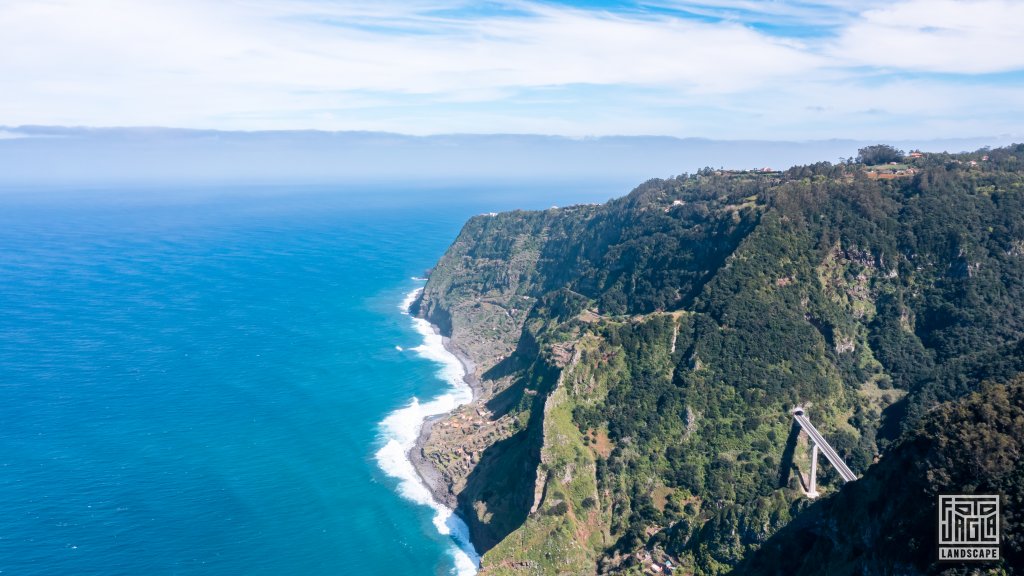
[(224, 381)]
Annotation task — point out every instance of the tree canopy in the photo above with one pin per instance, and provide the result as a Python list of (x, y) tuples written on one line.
[(879, 154)]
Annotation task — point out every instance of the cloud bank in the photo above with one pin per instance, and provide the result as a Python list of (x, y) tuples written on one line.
[(740, 69)]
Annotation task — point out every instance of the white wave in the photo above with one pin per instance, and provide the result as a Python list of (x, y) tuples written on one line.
[(399, 348), (402, 427), (408, 300)]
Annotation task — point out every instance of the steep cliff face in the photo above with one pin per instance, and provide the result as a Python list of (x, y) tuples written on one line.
[(480, 295), (636, 361)]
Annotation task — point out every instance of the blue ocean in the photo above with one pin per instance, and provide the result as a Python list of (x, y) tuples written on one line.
[(223, 381)]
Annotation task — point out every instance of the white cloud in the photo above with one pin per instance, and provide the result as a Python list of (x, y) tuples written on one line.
[(271, 43), (423, 67), (807, 12), (938, 36)]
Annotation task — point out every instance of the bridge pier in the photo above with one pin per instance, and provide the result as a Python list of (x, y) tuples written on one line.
[(813, 492), (818, 443)]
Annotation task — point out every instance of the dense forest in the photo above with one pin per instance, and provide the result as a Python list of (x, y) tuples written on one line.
[(677, 327)]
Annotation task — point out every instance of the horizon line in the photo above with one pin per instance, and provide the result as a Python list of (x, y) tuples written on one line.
[(22, 128)]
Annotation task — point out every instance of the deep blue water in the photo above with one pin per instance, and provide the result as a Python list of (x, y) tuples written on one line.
[(193, 382)]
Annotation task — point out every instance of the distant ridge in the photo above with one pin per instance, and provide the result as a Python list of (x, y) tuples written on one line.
[(55, 155)]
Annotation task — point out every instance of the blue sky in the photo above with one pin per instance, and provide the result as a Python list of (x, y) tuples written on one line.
[(713, 68)]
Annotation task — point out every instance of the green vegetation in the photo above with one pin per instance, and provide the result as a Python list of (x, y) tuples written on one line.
[(885, 523), (879, 154), (666, 335)]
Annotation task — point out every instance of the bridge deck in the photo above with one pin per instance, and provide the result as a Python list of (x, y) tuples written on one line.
[(825, 447)]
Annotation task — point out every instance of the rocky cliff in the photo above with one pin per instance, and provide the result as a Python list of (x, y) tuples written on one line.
[(636, 361)]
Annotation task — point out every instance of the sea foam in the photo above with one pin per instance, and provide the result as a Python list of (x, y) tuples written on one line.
[(401, 428)]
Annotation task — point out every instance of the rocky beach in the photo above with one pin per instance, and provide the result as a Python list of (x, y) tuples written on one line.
[(430, 475)]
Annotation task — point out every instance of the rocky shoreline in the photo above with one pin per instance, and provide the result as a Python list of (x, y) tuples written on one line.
[(430, 475)]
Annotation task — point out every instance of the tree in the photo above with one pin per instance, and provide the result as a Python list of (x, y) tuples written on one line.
[(879, 154)]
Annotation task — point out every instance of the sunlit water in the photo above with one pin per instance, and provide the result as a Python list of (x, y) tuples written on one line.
[(222, 383)]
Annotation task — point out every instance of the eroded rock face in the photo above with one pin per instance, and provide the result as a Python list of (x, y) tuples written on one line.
[(484, 455)]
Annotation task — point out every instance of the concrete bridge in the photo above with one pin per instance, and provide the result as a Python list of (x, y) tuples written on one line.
[(820, 444)]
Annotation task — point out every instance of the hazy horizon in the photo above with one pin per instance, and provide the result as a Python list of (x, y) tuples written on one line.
[(56, 156)]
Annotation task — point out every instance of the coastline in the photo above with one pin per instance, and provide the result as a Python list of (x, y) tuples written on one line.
[(428, 474), (405, 429)]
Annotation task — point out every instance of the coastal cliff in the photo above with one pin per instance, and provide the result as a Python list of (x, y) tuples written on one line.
[(634, 363)]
